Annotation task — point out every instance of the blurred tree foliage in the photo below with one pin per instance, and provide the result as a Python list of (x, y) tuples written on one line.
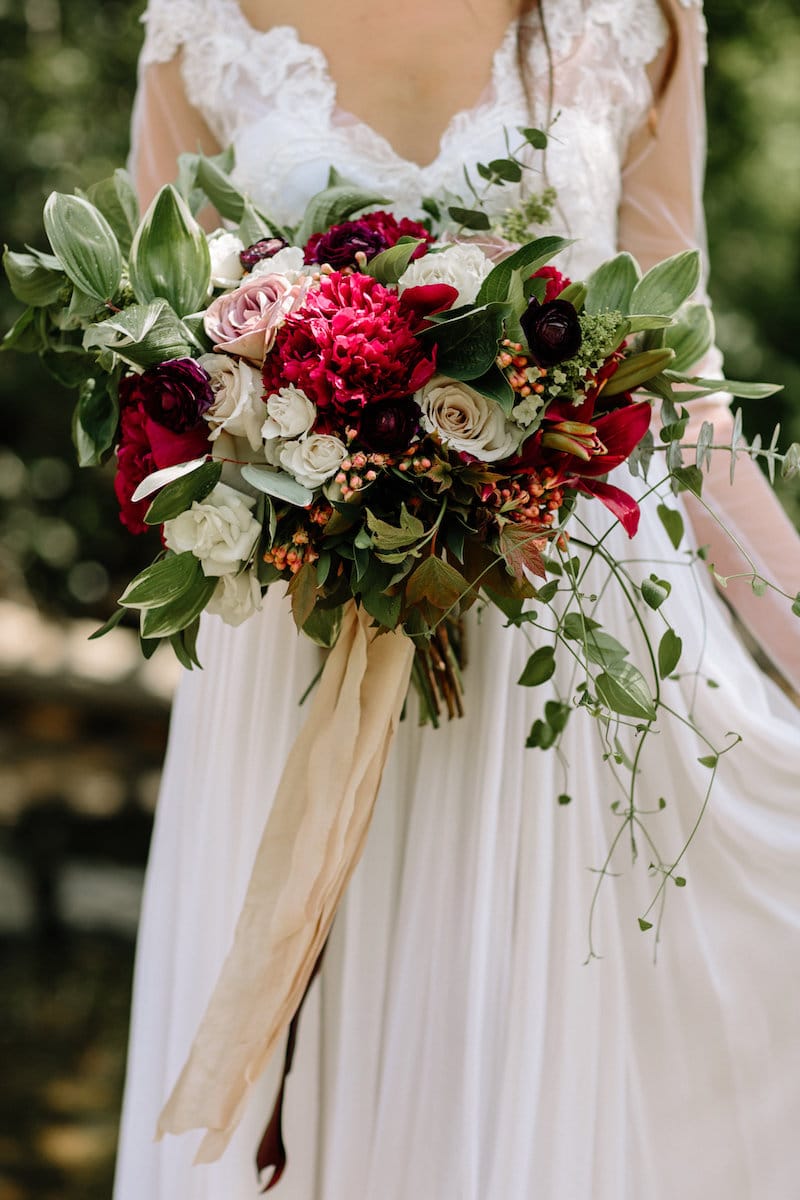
[(68, 71)]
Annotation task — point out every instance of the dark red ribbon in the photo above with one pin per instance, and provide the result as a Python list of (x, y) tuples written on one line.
[(272, 1149)]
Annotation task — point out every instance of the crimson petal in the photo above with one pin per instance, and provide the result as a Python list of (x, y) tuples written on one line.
[(623, 506), (428, 299), (620, 432)]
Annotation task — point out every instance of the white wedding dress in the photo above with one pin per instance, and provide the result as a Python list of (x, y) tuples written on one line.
[(456, 1047)]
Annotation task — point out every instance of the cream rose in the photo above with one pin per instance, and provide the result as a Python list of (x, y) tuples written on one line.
[(290, 414), (236, 597), (221, 531), (245, 321), (226, 267), (462, 266), (314, 459), (466, 421), (238, 407)]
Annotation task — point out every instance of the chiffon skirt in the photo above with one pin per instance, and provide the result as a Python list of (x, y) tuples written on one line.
[(458, 1044)]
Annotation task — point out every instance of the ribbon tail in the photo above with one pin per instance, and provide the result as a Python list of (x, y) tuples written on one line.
[(312, 840)]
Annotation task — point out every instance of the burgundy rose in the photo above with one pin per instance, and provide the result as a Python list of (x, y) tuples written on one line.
[(144, 447), (340, 245), (176, 393), (553, 331), (389, 425), (266, 248), (370, 234)]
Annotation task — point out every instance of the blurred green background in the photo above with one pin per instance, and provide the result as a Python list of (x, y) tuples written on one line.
[(68, 72)]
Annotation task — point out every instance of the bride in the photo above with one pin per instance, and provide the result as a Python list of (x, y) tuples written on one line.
[(456, 1046)]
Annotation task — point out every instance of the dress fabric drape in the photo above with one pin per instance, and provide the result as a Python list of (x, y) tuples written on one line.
[(457, 1046)]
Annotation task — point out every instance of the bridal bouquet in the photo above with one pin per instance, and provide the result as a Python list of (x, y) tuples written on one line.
[(398, 420), (362, 407)]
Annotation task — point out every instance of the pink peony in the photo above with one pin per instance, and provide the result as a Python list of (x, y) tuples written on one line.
[(245, 321), (350, 344)]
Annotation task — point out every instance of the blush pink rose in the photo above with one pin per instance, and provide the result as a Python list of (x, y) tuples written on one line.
[(245, 321)]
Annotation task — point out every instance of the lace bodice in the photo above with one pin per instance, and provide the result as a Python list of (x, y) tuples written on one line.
[(272, 97)]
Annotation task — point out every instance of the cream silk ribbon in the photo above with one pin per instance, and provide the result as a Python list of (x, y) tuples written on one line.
[(311, 843)]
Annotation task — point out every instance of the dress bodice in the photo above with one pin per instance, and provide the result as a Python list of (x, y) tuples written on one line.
[(271, 95)]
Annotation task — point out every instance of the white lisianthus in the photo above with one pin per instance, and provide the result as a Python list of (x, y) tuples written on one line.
[(288, 261), (226, 268), (466, 421), (238, 407), (236, 597), (314, 459), (462, 266), (221, 530), (290, 414)]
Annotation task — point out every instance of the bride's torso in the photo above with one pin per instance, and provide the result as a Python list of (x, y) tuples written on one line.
[(276, 98)]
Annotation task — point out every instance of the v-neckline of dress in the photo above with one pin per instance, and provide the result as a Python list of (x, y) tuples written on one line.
[(264, 36)]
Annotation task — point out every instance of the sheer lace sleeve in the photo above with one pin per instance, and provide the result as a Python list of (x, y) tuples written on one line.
[(165, 123), (661, 212)]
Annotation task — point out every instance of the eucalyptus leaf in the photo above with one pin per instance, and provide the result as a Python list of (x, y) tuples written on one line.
[(160, 479), (470, 218), (179, 495), (731, 387), (667, 285), (169, 257), (85, 245), (279, 484)]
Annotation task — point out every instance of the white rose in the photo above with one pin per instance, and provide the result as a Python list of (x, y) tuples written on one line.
[(466, 421), (236, 597), (314, 459), (288, 261), (226, 268), (238, 407), (462, 266), (221, 531), (290, 414)]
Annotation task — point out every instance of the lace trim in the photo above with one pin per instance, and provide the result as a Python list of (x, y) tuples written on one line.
[(638, 28)]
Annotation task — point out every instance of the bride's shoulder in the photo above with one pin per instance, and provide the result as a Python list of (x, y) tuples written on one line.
[(167, 24)]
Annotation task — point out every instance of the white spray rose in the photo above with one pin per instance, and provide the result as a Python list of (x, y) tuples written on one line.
[(238, 407), (314, 459), (290, 414), (462, 266), (288, 261), (236, 597), (221, 530), (466, 421), (226, 268)]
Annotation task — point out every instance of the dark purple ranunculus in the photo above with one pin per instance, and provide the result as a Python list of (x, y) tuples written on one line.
[(176, 393), (553, 331), (389, 424), (266, 248), (340, 245)]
